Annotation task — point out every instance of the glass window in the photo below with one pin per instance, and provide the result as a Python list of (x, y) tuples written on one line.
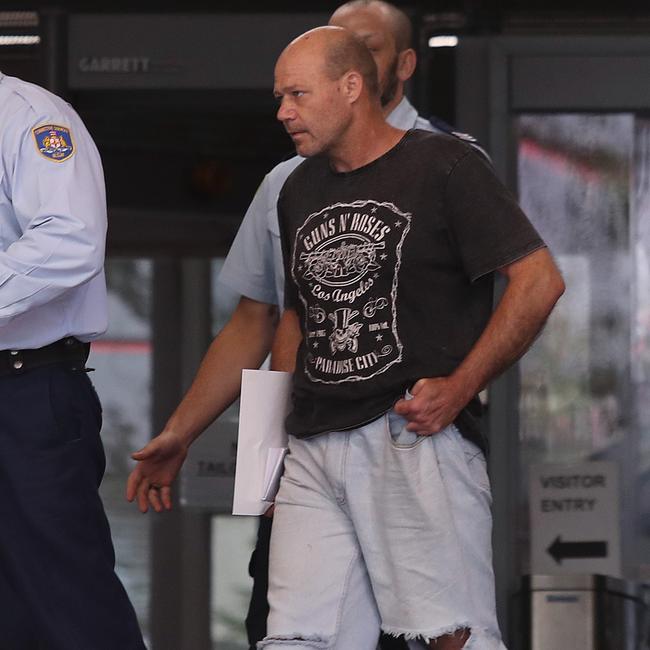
[(122, 362), (584, 180), (233, 538), (574, 181)]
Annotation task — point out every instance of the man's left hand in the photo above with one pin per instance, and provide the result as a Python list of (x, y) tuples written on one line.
[(435, 404)]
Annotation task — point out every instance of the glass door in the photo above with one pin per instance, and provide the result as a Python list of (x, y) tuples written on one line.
[(565, 119), (584, 180), (122, 377), (233, 537)]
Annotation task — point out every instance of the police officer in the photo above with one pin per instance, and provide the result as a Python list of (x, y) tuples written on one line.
[(58, 588)]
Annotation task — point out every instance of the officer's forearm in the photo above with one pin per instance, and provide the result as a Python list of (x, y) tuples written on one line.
[(244, 342)]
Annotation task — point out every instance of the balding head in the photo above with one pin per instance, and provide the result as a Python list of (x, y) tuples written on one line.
[(386, 31), (326, 82), (340, 51), (396, 22)]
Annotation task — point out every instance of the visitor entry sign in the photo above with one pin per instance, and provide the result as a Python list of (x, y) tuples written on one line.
[(574, 519)]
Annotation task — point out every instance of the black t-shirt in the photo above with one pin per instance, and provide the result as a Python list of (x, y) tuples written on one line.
[(390, 269)]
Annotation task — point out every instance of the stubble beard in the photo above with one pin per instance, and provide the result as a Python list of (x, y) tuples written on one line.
[(389, 87)]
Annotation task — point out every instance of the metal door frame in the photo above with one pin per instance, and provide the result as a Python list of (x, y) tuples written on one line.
[(497, 78)]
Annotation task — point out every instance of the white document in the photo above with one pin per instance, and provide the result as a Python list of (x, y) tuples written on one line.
[(273, 473), (262, 442)]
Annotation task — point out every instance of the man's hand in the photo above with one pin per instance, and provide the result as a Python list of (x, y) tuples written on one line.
[(534, 286), (435, 404), (244, 342), (158, 465)]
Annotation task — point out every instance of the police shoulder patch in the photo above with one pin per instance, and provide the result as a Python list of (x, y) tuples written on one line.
[(54, 142)]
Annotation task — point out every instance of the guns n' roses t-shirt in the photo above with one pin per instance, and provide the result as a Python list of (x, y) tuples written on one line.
[(390, 269)]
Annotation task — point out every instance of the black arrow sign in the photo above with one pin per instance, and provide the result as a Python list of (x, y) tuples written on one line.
[(560, 550)]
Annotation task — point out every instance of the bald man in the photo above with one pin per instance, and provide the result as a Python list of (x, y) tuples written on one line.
[(391, 240), (253, 268), (254, 271)]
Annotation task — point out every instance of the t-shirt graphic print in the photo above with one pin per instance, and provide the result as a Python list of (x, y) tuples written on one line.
[(346, 259)]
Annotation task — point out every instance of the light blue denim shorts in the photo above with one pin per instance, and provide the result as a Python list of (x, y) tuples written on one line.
[(381, 528)]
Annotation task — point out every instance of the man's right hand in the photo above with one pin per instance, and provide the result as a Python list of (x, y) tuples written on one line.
[(244, 342), (158, 465)]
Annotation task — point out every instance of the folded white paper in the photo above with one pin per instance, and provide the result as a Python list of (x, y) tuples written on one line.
[(274, 467), (262, 441)]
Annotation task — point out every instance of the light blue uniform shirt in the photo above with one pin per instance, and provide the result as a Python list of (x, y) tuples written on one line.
[(253, 267), (52, 221)]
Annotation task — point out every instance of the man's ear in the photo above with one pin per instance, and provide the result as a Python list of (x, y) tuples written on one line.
[(406, 62), (352, 85)]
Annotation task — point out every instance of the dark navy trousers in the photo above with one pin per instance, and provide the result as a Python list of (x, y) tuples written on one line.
[(58, 588)]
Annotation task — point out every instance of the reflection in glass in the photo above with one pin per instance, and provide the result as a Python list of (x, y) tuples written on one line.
[(574, 176), (584, 180), (640, 351), (122, 359), (233, 538)]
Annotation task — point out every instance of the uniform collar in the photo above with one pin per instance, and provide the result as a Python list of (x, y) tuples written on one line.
[(403, 115)]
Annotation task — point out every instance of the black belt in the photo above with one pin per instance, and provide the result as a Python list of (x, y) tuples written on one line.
[(68, 350)]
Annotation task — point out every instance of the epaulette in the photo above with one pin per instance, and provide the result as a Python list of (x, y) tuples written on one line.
[(444, 127)]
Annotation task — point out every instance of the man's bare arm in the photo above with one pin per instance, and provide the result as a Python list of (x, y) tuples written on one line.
[(287, 340), (244, 342), (534, 286)]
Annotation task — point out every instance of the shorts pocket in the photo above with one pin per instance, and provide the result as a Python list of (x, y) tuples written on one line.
[(400, 436), (475, 461)]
